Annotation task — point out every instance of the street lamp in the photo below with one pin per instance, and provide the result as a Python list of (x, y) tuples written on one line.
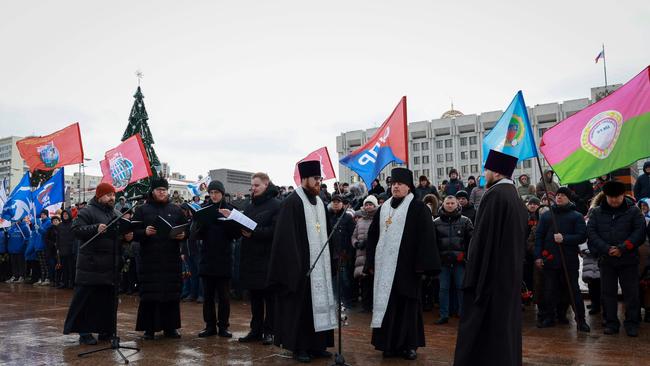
[(84, 177)]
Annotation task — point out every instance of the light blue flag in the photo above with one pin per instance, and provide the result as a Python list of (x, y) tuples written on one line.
[(512, 134), (19, 204), (50, 193)]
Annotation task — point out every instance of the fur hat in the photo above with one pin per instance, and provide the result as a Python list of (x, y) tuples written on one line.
[(614, 188)]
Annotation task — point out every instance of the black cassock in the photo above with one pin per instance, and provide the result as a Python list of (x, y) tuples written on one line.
[(288, 266), (402, 327), (490, 328)]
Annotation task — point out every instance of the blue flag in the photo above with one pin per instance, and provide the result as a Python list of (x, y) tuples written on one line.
[(50, 193), (19, 204), (388, 144), (512, 134)]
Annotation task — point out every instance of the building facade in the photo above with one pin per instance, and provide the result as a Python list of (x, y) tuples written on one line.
[(235, 181), (80, 187), (455, 140), (12, 166)]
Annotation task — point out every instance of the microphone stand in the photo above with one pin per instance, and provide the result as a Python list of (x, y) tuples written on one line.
[(339, 360), (115, 340)]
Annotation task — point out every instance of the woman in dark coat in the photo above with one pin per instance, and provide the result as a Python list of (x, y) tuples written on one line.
[(64, 242), (255, 254), (159, 265)]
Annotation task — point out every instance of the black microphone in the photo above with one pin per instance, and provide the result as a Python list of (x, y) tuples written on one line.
[(136, 198)]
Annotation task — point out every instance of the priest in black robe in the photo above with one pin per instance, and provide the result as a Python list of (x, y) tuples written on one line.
[(490, 328), (401, 248), (305, 311)]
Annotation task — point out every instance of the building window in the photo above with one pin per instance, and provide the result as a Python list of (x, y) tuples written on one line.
[(416, 160), (527, 164), (449, 156), (474, 168), (425, 159), (439, 144), (448, 169), (463, 155), (448, 143), (416, 173), (425, 146), (473, 154), (472, 140), (463, 141), (416, 146), (440, 158), (463, 169), (542, 130), (425, 172)]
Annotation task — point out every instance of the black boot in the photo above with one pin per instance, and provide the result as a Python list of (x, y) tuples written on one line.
[(410, 354), (251, 337), (172, 333), (268, 339), (302, 356), (87, 339), (148, 335), (223, 332), (208, 332), (584, 327)]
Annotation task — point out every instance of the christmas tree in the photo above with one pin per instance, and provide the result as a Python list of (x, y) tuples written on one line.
[(138, 124)]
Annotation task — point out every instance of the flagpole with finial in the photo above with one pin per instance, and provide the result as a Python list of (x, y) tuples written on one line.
[(605, 67)]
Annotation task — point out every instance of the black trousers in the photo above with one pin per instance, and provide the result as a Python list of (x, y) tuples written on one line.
[(213, 287), (594, 293), (262, 306), (554, 284), (17, 265), (68, 268), (367, 284), (628, 276)]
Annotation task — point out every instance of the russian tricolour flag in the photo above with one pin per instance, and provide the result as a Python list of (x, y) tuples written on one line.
[(388, 144)]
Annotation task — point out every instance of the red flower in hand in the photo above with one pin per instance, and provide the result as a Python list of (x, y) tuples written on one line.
[(545, 253), (550, 257), (629, 245), (460, 257)]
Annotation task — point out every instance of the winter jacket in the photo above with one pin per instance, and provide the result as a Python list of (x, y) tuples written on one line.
[(469, 211), (18, 238), (583, 193), (551, 186), (453, 234), (158, 262), (453, 187), (421, 191), (527, 190), (41, 231), (95, 261), (256, 250), (476, 195), (50, 241), (65, 237), (590, 270), (622, 227), (642, 185), (341, 244), (359, 237), (571, 224), (216, 250)]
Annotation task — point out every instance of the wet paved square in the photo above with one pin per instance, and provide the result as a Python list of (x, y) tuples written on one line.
[(31, 322)]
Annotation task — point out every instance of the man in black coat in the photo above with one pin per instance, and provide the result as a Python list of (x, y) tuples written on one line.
[(305, 311), (341, 247), (453, 233), (64, 243), (425, 187), (401, 248), (93, 303), (571, 232), (466, 208), (490, 328), (642, 184), (616, 229), (159, 264), (215, 267), (255, 253)]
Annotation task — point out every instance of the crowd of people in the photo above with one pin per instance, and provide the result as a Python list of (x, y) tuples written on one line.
[(593, 223)]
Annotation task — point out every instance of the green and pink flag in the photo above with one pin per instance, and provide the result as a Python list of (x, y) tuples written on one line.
[(608, 135)]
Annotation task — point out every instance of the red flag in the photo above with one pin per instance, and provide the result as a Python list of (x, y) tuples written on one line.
[(322, 155), (53, 151), (125, 164)]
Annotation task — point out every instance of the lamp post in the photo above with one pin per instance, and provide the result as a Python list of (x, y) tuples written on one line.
[(83, 166)]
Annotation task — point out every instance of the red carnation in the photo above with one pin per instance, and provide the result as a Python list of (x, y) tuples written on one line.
[(545, 253), (460, 257), (629, 245), (550, 257)]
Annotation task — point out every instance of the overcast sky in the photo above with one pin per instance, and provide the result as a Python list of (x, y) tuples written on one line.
[(256, 85)]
